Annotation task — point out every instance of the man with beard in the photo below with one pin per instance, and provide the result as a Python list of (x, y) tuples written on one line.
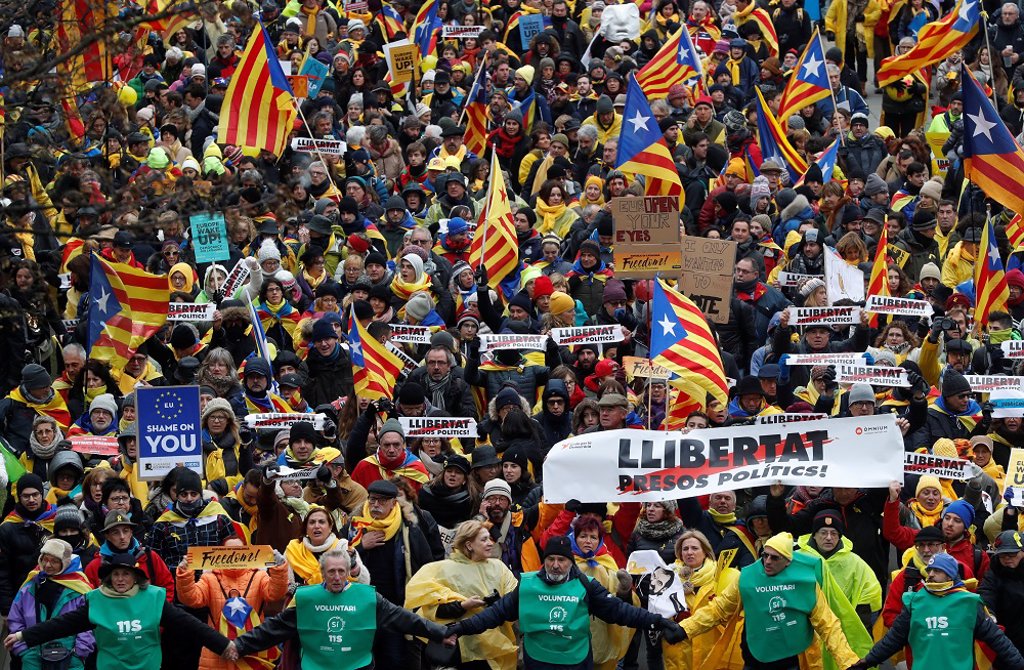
[(586, 361), (330, 370), (442, 379), (562, 642), (454, 194), (391, 459), (510, 528)]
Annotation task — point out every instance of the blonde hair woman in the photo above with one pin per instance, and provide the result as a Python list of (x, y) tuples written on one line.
[(460, 586)]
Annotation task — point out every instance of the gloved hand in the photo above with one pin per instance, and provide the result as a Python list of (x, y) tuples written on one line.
[(492, 598), (672, 632), (935, 330), (209, 447), (624, 588), (330, 431), (323, 475), (270, 470), (573, 506), (278, 558), (986, 412), (246, 435), (385, 405), (625, 317), (918, 383), (481, 277), (453, 629)]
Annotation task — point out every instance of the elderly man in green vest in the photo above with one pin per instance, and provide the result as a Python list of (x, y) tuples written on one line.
[(940, 623), (783, 607), (336, 621), (554, 606)]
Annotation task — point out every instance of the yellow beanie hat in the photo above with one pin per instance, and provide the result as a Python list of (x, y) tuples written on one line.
[(782, 543), (927, 482), (561, 302)]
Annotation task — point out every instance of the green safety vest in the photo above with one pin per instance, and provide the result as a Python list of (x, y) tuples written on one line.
[(555, 620), (336, 630), (942, 628), (778, 610), (127, 629)]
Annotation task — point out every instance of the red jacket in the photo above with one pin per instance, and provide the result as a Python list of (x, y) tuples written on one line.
[(150, 563)]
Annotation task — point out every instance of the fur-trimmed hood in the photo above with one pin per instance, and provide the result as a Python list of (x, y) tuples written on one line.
[(492, 413), (799, 204)]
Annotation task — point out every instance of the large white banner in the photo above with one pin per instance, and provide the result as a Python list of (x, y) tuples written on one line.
[(649, 466)]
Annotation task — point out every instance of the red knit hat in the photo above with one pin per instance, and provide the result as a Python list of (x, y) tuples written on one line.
[(542, 286), (359, 244)]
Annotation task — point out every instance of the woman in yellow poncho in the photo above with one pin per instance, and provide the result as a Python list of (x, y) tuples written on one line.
[(695, 565), (461, 585), (303, 554), (554, 216)]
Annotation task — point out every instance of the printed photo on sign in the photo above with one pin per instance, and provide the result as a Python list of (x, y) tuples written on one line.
[(659, 584)]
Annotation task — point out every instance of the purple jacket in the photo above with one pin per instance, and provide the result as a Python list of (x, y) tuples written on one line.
[(23, 615)]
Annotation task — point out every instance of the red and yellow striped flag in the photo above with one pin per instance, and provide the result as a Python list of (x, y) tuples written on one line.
[(258, 111), (81, 19), (935, 41), (989, 279), (676, 62), (879, 283), (495, 242), (1015, 232), (374, 369), (128, 307)]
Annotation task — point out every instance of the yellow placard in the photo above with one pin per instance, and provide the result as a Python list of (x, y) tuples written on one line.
[(634, 367), (1015, 471), (230, 558), (404, 63)]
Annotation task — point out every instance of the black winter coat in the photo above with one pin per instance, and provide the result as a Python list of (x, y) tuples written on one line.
[(329, 379), (19, 551), (1002, 591)]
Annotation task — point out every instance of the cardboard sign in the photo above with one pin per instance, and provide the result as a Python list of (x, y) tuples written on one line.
[(437, 426), (401, 57), (325, 146), (1015, 477), (788, 417), (99, 445), (823, 316), (634, 367), (169, 430), (810, 360), (1013, 348), (300, 85), (238, 276), (938, 466), (707, 274), (872, 374), (408, 362), (209, 237), (587, 335), (646, 264), (646, 236), (184, 311), (793, 279), (461, 32), (231, 558), (283, 420), (989, 383), (410, 334), (530, 25), (883, 304), (502, 342)]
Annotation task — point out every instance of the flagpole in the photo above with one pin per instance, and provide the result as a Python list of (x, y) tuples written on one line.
[(835, 110), (983, 19), (476, 82)]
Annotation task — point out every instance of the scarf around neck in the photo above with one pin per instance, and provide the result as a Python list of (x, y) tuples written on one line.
[(304, 558), (659, 530), (389, 525)]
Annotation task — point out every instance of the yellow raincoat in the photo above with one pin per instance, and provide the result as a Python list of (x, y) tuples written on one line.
[(851, 573), (455, 579), (608, 642), (707, 582)]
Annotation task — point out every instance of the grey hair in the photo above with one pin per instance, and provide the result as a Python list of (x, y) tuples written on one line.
[(339, 554), (355, 135), (657, 106), (588, 131), (74, 348)]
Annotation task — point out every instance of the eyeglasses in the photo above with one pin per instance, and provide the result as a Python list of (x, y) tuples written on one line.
[(119, 499), (172, 253)]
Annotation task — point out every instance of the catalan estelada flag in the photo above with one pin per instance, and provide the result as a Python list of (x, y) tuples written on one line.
[(676, 62), (494, 243), (682, 342), (476, 116), (992, 158), (425, 28), (642, 147), (879, 282), (80, 19), (127, 307), (935, 41), (238, 618), (374, 368), (990, 289), (773, 142), (686, 398), (1015, 232), (764, 24), (390, 22), (826, 161), (809, 81), (258, 111)]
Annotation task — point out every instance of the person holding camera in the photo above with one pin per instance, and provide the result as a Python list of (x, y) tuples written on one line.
[(958, 348), (470, 580)]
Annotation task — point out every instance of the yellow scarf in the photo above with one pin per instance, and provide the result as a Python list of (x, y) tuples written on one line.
[(924, 516), (311, 15), (305, 563), (550, 215), (404, 290), (389, 525), (313, 282)]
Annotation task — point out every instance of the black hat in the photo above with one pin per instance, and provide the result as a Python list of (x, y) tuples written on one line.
[(35, 376), (291, 380), (749, 385), (362, 309), (382, 488), (188, 480), (482, 457), (302, 430), (375, 257), (186, 370), (137, 138), (559, 545), (319, 224), (517, 456), (453, 131), (769, 371), (412, 394), (117, 518), (127, 561), (183, 337), (123, 239), (1007, 542), (929, 534), (954, 383), (959, 346), (348, 206), (29, 480), (457, 461), (258, 366), (268, 227), (828, 519), (972, 234)]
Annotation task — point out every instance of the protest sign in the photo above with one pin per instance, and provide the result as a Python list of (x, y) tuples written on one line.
[(283, 420), (634, 367), (875, 375), (899, 255), (530, 25), (500, 342), (706, 279), (587, 334), (1007, 403), (883, 304), (316, 72), (787, 417), (238, 276), (645, 264), (824, 358), (69, 324), (650, 466), (939, 466), (793, 279), (321, 145), (186, 311), (408, 362), (461, 32), (1015, 477), (401, 57), (646, 236), (437, 426), (256, 556), (659, 584), (283, 472), (99, 445), (169, 430), (209, 237), (823, 316), (989, 383), (300, 85), (842, 280), (410, 334), (1013, 348), (357, 6)]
